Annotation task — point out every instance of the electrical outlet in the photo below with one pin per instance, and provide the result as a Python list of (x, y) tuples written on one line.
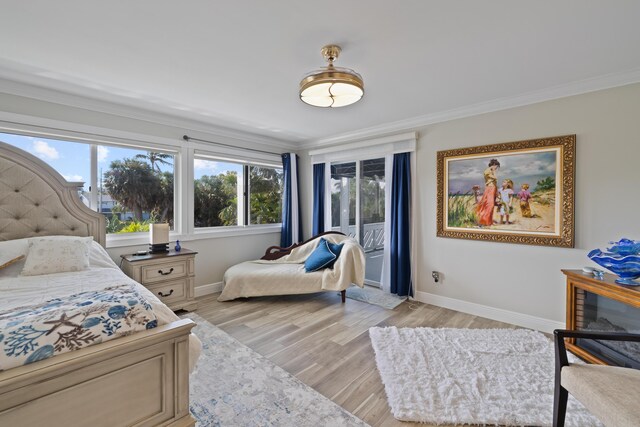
[(436, 276)]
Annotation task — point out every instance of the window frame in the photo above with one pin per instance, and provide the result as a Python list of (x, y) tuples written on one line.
[(243, 204), (184, 153)]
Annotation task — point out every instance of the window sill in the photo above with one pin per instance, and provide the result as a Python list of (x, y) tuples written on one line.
[(247, 230), (138, 239)]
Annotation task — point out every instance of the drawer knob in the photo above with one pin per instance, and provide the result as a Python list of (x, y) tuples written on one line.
[(167, 273), (167, 294)]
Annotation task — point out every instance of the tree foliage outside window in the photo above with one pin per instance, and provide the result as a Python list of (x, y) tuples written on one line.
[(139, 186), (216, 200), (265, 202), (216, 197)]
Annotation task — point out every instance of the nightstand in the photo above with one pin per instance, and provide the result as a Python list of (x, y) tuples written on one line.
[(169, 276)]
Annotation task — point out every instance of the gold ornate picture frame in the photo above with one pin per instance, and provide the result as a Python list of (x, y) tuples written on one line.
[(516, 192)]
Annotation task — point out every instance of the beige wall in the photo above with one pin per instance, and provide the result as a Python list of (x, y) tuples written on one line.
[(518, 278), (215, 254)]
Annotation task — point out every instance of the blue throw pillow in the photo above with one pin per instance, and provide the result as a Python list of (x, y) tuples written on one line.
[(336, 248), (320, 258)]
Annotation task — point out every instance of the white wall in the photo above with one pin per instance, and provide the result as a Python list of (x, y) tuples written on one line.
[(519, 278), (215, 254)]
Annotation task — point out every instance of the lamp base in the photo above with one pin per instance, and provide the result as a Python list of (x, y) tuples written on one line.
[(159, 248)]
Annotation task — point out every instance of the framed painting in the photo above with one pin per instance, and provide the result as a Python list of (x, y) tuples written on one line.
[(516, 192)]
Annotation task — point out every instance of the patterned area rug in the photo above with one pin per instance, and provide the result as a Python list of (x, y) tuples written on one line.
[(375, 296), (471, 376), (233, 385)]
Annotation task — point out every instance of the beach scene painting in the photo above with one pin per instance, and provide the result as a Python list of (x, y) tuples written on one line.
[(510, 192)]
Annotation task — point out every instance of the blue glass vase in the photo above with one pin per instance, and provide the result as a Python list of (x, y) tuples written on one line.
[(623, 259), (178, 247)]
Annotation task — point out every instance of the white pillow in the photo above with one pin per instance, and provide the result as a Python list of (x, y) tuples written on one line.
[(57, 254)]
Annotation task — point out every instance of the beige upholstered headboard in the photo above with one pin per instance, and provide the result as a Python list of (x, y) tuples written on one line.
[(35, 200)]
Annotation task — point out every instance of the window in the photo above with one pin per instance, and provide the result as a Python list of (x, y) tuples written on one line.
[(134, 183), (224, 196), (133, 187), (216, 188), (265, 190)]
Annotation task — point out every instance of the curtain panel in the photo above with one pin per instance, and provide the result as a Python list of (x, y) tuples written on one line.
[(318, 199), (291, 225), (400, 226)]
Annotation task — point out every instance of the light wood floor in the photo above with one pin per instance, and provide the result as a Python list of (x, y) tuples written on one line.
[(326, 344)]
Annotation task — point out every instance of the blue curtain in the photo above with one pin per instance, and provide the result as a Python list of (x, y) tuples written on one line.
[(318, 199), (291, 226), (400, 247)]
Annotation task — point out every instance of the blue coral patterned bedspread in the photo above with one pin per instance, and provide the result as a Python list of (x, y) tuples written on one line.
[(32, 333)]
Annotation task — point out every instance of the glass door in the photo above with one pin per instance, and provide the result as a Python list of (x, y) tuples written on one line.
[(343, 198), (357, 209)]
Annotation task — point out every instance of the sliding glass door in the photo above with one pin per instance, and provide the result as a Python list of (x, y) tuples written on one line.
[(358, 209)]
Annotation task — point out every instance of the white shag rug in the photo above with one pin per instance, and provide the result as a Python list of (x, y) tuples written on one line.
[(471, 376)]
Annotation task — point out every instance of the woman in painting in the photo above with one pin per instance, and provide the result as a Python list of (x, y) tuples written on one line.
[(484, 210)]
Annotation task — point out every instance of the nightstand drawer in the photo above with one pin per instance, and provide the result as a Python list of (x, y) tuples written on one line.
[(164, 271), (168, 292)]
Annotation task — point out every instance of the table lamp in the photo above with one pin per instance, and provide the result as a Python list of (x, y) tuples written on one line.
[(158, 238)]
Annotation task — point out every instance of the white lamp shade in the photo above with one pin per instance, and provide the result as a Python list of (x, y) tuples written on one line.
[(158, 234)]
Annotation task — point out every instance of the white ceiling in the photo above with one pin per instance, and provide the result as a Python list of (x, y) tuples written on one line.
[(238, 63)]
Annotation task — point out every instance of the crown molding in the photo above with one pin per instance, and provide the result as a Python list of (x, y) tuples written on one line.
[(579, 87), (391, 139), (66, 98)]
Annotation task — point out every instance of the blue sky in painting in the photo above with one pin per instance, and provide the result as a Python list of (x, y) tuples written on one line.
[(72, 159), (520, 168)]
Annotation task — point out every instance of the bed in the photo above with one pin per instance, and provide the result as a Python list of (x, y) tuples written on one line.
[(140, 379), (281, 271)]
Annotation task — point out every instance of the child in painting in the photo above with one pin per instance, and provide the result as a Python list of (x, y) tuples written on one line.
[(506, 193), (524, 195)]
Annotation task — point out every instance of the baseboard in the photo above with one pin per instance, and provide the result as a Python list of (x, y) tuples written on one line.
[(211, 288), (519, 319)]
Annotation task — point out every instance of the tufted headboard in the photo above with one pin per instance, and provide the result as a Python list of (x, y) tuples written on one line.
[(35, 200)]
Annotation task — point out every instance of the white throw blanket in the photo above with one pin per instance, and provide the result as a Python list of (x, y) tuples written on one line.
[(287, 276)]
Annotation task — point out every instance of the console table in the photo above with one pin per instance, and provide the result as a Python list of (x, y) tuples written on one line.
[(601, 304)]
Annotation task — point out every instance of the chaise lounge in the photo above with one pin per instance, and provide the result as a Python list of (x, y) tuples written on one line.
[(281, 271)]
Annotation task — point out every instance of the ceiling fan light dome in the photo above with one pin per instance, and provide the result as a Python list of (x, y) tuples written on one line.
[(337, 85)]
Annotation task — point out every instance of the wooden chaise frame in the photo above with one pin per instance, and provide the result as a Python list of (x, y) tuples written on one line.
[(277, 252), (141, 379)]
